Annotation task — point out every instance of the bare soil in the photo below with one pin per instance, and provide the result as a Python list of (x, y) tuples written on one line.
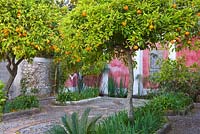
[(189, 124)]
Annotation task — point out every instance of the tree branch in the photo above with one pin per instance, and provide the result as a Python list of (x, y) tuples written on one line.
[(20, 60), (8, 66)]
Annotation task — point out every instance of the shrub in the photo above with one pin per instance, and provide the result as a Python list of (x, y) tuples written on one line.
[(64, 96), (21, 103), (176, 76), (114, 90), (171, 101), (2, 99), (146, 120), (74, 125)]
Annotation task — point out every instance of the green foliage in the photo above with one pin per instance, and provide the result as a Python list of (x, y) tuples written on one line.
[(2, 99), (64, 96), (176, 76), (171, 101), (76, 125), (114, 90), (147, 120), (96, 28), (21, 103)]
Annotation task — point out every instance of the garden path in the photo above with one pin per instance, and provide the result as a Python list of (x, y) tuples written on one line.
[(189, 124), (41, 122)]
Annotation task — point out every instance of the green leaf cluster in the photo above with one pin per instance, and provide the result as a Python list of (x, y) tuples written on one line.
[(2, 99), (21, 103), (28, 28), (74, 125), (176, 76)]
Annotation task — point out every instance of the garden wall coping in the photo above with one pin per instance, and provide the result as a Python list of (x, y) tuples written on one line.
[(76, 102), (180, 112), (166, 127), (13, 115)]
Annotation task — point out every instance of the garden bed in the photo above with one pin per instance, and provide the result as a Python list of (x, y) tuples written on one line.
[(21, 113), (75, 102), (183, 112)]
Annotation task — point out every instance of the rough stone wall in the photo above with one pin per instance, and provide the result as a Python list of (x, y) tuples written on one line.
[(36, 76)]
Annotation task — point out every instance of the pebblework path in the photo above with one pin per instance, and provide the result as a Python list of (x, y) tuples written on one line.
[(51, 114)]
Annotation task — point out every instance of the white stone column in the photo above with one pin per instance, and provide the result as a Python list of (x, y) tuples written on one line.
[(172, 52), (138, 72), (104, 82)]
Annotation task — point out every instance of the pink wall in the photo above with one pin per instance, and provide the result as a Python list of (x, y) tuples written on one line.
[(190, 56), (146, 68)]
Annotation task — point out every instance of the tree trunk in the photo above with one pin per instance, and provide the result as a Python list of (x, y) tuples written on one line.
[(130, 88), (12, 68)]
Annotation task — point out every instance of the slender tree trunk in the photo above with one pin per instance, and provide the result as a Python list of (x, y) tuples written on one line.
[(130, 87), (12, 68)]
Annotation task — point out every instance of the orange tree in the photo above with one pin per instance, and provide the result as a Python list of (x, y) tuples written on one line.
[(27, 29), (96, 29)]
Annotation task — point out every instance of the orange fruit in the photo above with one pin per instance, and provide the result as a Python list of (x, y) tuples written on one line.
[(78, 60), (172, 41), (174, 6), (139, 11), (36, 46), (125, 8), (151, 27), (20, 35), (178, 40), (124, 23), (67, 52), (18, 15), (24, 34), (48, 41), (198, 14), (88, 48), (189, 42), (17, 29), (53, 47), (84, 14), (135, 47), (187, 33), (178, 29)]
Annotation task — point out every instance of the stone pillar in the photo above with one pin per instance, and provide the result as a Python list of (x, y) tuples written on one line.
[(172, 52), (37, 76), (138, 71)]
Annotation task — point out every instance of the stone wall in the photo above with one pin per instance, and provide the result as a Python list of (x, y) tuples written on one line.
[(35, 76)]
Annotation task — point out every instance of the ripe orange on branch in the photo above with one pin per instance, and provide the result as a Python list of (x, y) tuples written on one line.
[(125, 8), (139, 11), (189, 42), (174, 6), (84, 14), (135, 47), (187, 33), (124, 23), (151, 27)]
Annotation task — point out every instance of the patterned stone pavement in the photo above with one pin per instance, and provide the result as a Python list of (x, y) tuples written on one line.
[(51, 114)]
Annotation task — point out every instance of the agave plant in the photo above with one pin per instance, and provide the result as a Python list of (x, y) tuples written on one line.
[(76, 125)]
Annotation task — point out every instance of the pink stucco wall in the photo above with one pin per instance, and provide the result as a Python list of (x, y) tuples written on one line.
[(190, 56)]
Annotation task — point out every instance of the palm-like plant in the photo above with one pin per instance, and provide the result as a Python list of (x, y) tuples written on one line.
[(74, 125)]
